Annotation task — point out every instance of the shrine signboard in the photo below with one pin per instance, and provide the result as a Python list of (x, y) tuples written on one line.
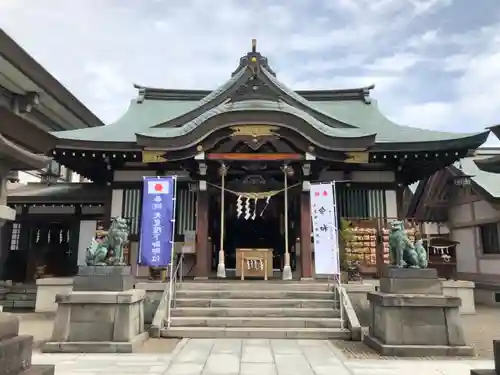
[(325, 229)]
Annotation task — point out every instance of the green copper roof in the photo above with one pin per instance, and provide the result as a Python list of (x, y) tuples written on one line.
[(490, 182), (335, 118), (140, 117), (369, 118), (255, 105), (285, 90)]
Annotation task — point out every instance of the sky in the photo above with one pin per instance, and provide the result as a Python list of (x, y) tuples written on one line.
[(435, 63)]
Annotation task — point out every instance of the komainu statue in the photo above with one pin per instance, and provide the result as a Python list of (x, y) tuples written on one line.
[(402, 252), (107, 249)]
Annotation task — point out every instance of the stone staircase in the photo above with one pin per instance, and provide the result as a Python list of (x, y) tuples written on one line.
[(258, 309), (18, 297)]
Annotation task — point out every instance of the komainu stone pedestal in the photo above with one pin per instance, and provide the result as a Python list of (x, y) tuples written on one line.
[(15, 350), (496, 370), (89, 320), (410, 316)]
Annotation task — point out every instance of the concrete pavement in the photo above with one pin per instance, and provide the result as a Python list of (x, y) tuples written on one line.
[(250, 357)]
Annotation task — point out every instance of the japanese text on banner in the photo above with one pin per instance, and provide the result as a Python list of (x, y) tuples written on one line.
[(325, 232), (157, 221)]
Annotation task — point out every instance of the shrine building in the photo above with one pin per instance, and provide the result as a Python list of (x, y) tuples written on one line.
[(251, 142)]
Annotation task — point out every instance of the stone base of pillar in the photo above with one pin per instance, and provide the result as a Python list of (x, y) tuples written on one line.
[(221, 271), (287, 270), (287, 273), (221, 267)]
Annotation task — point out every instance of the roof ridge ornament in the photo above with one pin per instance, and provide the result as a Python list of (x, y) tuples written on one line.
[(254, 61)]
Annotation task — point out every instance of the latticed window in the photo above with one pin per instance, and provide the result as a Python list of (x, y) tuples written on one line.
[(360, 203), (131, 209), (185, 209), (14, 237)]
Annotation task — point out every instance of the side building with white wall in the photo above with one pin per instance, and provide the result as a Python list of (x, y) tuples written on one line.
[(464, 201)]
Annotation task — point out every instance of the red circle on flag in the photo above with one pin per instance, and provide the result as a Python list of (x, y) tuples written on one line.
[(158, 187)]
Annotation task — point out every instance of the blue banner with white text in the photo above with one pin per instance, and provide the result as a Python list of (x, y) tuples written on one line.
[(157, 224)]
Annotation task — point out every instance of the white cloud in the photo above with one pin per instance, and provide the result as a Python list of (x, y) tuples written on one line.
[(429, 37), (476, 89), (396, 63)]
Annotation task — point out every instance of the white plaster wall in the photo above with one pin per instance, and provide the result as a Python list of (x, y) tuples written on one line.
[(87, 232), (466, 253), (435, 228), (391, 204), (484, 211), (116, 202), (52, 210), (373, 176), (490, 266), (460, 214)]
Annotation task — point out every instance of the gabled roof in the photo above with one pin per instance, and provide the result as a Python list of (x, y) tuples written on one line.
[(254, 89), (19, 158), (491, 164), (21, 74), (484, 183)]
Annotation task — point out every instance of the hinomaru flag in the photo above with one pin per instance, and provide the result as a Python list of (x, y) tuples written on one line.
[(158, 187)]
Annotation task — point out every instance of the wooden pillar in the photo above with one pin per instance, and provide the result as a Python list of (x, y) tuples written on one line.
[(400, 201), (107, 205), (202, 267), (305, 236)]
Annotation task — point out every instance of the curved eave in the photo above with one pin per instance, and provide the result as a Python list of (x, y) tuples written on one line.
[(491, 164), (16, 128), (29, 67), (21, 156), (195, 133), (477, 185), (296, 100), (495, 129), (472, 141), (212, 100)]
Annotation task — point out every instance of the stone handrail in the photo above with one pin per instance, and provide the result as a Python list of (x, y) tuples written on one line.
[(350, 315), (163, 310)]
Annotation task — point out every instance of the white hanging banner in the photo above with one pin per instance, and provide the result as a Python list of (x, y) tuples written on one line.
[(325, 229)]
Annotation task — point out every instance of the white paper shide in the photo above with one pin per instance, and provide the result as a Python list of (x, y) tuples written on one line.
[(325, 229)]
